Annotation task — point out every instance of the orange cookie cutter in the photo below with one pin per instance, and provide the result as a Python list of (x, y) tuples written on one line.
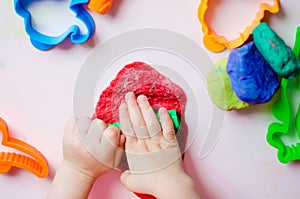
[(100, 6), (218, 43), (33, 161)]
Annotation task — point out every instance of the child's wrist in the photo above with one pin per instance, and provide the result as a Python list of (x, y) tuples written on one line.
[(77, 173), (176, 186), (76, 184)]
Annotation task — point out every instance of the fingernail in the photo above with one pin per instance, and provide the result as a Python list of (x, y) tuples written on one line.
[(163, 111), (123, 106), (99, 122), (129, 96), (111, 132), (142, 98)]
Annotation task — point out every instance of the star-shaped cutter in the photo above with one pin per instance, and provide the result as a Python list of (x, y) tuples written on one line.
[(45, 42)]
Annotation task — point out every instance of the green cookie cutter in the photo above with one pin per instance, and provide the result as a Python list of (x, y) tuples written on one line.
[(172, 113), (288, 129)]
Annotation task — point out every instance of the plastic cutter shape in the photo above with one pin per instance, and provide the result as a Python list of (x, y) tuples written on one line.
[(45, 42), (31, 159), (288, 127), (217, 43)]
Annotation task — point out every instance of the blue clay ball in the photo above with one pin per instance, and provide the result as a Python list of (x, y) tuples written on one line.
[(251, 77)]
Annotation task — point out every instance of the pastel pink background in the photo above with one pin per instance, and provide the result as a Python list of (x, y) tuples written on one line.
[(37, 92)]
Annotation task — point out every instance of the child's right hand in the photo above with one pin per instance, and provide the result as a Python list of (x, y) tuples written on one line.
[(153, 155), (106, 141), (79, 169)]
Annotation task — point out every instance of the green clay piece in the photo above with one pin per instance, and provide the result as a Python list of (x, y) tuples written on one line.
[(274, 50), (220, 90), (285, 135), (172, 113), (174, 117), (117, 124)]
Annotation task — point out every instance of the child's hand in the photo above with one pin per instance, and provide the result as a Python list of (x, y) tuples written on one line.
[(152, 152), (79, 170), (106, 142)]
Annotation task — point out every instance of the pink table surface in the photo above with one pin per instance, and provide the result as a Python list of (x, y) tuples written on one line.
[(36, 100)]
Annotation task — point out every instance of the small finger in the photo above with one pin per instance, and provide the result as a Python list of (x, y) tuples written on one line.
[(111, 135), (120, 150), (150, 118), (125, 123), (167, 125), (96, 129), (82, 125), (109, 144), (70, 126), (136, 116), (122, 141)]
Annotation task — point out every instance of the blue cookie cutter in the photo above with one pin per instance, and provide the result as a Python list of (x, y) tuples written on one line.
[(44, 42)]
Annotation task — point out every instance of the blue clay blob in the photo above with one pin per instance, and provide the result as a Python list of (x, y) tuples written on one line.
[(251, 77)]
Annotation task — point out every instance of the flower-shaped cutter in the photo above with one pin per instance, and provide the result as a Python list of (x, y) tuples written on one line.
[(44, 42), (218, 43)]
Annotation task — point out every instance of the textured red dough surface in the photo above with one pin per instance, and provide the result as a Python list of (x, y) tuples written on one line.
[(140, 78)]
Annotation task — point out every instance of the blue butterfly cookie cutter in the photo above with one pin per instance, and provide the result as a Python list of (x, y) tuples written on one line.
[(44, 42)]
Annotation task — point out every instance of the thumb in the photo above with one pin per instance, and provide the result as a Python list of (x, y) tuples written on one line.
[(132, 182), (126, 180)]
